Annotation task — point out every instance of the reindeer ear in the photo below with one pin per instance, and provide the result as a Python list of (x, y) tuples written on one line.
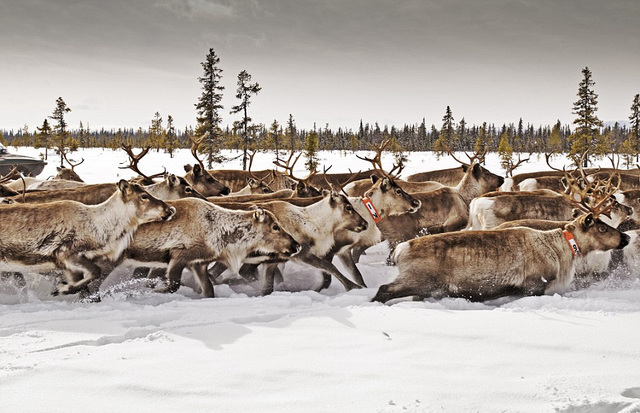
[(197, 171), (570, 227), (251, 182), (173, 180), (188, 168), (464, 168), (374, 178), (476, 170), (576, 212), (385, 184), (588, 220), (124, 187), (259, 214), (58, 168)]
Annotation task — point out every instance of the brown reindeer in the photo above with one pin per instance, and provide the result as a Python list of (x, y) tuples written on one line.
[(171, 187), (201, 233), (482, 265), (493, 209), (443, 210), (71, 236)]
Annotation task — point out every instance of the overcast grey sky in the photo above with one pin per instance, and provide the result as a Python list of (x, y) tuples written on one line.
[(117, 62)]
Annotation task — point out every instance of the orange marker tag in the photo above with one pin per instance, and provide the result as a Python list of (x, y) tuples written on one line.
[(372, 210), (572, 242)]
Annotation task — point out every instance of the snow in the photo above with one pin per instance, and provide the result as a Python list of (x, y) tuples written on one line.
[(299, 350)]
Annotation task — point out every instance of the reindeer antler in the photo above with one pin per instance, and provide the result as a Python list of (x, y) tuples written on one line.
[(195, 144), (9, 176), (135, 159), (64, 155), (288, 166), (376, 162), (595, 196), (511, 166)]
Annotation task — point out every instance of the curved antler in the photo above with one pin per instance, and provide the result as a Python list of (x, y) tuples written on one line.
[(135, 159), (64, 155), (376, 162)]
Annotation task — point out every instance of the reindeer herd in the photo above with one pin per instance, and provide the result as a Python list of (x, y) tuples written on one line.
[(461, 232)]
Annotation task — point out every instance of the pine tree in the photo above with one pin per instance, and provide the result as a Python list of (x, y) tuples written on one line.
[(555, 139), (447, 137), (274, 136), (505, 151), (43, 137), (482, 142), (171, 141), (244, 92), (60, 128), (311, 151), (634, 119), (587, 132), (208, 108), (154, 139), (291, 133)]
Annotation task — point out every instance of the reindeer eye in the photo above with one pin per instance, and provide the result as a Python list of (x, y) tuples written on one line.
[(275, 227), (602, 228), (187, 189), (349, 208), (399, 191), (265, 190), (144, 197)]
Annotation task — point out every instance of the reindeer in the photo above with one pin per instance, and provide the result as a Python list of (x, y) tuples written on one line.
[(493, 209), (255, 185), (172, 187), (199, 178), (315, 227), (303, 188), (443, 210), (201, 233), (70, 235), (450, 176), (483, 265)]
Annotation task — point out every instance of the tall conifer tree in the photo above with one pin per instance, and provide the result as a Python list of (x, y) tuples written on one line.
[(587, 132), (244, 92), (208, 108)]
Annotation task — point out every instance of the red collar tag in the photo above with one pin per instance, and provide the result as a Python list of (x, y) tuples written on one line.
[(372, 210), (575, 250)]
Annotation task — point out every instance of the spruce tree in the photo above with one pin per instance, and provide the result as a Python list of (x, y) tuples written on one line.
[(555, 139), (171, 141), (155, 132), (43, 137), (311, 151), (634, 119), (447, 136), (505, 151), (291, 133), (208, 108), (244, 92), (60, 128), (274, 136), (587, 132)]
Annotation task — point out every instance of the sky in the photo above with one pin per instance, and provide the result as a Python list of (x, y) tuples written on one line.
[(118, 62)]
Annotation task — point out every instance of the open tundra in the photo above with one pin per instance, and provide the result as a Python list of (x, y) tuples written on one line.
[(143, 351)]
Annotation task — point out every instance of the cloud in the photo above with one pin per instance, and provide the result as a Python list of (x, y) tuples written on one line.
[(197, 8)]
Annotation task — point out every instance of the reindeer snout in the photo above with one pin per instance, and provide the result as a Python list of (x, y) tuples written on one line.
[(624, 241), (416, 204), (169, 213), (225, 191), (295, 247), (362, 227)]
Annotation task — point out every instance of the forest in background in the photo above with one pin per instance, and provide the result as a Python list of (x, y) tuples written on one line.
[(587, 134)]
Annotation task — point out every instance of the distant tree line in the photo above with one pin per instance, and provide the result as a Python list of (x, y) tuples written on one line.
[(588, 134)]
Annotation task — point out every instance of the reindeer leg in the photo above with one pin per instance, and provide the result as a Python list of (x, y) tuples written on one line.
[(358, 251), (310, 259), (200, 270), (81, 265), (347, 260), (174, 275), (269, 278), (216, 271)]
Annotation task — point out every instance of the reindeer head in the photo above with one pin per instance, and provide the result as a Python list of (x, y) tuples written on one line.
[(592, 234), (202, 181), (272, 240), (148, 207), (302, 187), (344, 212)]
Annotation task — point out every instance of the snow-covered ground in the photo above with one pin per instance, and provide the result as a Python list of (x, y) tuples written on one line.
[(333, 351)]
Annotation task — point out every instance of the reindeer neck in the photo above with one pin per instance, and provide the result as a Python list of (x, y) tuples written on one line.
[(469, 187)]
